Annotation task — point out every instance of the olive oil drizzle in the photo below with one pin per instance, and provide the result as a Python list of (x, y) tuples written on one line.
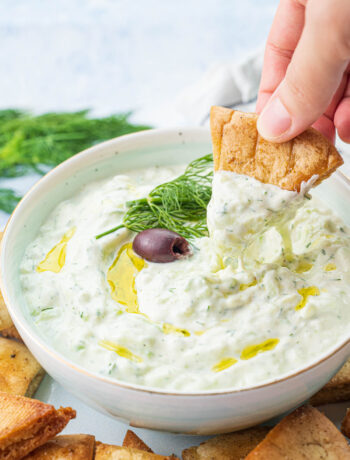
[(121, 277), (170, 329), (243, 286), (225, 363), (56, 258), (305, 293), (123, 352), (303, 267), (247, 353), (252, 350)]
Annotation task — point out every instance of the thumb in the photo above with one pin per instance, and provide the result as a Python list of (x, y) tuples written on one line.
[(314, 73)]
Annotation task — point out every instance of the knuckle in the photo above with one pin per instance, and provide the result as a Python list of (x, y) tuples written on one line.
[(279, 51), (300, 2)]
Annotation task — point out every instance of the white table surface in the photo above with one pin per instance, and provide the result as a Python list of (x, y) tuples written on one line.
[(115, 55)]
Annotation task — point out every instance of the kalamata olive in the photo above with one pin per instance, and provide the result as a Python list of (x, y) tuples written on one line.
[(161, 245)]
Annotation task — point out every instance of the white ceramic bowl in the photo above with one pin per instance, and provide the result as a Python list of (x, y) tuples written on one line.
[(197, 413)]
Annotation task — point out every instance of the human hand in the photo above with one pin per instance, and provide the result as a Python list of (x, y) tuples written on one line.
[(306, 73)]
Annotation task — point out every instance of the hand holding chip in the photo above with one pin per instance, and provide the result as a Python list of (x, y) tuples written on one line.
[(305, 79)]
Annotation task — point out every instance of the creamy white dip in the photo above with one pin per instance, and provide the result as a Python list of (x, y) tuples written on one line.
[(265, 295)]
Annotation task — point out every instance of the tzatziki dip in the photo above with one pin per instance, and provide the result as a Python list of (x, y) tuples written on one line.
[(264, 294)]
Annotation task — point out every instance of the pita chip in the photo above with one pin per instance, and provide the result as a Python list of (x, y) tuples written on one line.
[(238, 147), (68, 447), (26, 424), (231, 446), (336, 390), (20, 373), (345, 424), (109, 452), (7, 328), (306, 433), (132, 440)]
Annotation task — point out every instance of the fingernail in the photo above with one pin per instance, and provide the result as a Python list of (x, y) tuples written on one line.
[(274, 120)]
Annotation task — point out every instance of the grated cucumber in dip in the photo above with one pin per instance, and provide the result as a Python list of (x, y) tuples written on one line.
[(264, 295)]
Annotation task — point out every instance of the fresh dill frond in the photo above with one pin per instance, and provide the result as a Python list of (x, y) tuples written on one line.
[(27, 142), (8, 199), (179, 205), (31, 143)]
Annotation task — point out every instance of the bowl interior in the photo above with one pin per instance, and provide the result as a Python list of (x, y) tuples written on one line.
[(154, 147)]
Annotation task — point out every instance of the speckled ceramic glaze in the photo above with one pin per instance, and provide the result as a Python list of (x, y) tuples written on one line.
[(200, 413)]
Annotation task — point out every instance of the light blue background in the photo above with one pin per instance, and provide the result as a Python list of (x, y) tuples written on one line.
[(114, 55)]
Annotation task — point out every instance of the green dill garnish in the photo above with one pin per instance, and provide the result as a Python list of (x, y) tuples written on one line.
[(31, 143), (111, 367), (308, 244), (27, 142), (81, 345), (179, 205), (8, 199), (39, 310)]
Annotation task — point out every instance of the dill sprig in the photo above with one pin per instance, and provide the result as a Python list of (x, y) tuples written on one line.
[(31, 143), (179, 205), (8, 199), (28, 142)]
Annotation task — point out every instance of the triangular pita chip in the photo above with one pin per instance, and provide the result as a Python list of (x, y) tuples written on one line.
[(238, 147), (67, 447), (304, 434), (132, 440), (336, 390), (7, 328), (231, 446), (20, 373), (26, 424), (108, 452), (345, 424)]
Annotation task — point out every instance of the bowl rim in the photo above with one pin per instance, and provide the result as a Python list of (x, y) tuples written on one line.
[(56, 355)]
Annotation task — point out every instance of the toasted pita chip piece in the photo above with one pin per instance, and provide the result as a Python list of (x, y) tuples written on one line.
[(231, 446), (336, 390), (238, 147), (304, 434), (20, 373), (12, 333), (108, 452), (7, 328), (132, 440), (345, 424), (68, 447), (26, 424)]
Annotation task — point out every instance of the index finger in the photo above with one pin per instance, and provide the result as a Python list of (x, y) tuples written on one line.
[(282, 40)]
